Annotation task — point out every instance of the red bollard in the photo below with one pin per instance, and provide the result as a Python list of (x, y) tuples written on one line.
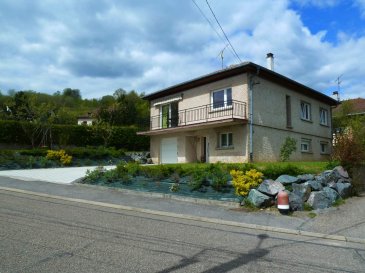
[(283, 202)]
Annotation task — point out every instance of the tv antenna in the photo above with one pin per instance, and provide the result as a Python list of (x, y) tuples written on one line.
[(221, 54), (338, 81)]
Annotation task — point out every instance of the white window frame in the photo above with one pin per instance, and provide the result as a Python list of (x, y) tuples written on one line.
[(226, 136), (323, 116), (226, 102), (324, 145), (305, 111), (306, 145)]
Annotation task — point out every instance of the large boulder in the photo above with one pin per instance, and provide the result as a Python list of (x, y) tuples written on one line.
[(259, 199), (341, 172), (295, 202), (315, 185), (305, 177), (270, 187), (319, 200), (287, 179), (302, 190), (343, 189), (331, 194), (327, 177)]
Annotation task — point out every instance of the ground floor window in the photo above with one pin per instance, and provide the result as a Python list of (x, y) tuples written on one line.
[(324, 147), (226, 140), (305, 145)]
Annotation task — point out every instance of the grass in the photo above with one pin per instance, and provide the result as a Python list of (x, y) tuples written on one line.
[(338, 202), (312, 215)]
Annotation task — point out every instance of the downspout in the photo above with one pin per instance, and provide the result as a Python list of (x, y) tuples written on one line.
[(251, 83), (250, 98)]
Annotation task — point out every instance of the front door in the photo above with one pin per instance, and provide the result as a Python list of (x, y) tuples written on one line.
[(205, 150)]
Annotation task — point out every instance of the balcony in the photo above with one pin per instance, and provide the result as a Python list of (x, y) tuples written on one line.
[(198, 116)]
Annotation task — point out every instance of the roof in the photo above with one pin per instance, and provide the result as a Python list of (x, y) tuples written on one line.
[(355, 106), (245, 67)]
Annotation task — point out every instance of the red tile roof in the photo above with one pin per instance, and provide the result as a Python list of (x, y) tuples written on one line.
[(356, 106)]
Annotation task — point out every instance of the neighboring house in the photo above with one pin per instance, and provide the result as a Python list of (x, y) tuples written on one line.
[(239, 114), (356, 107), (86, 119)]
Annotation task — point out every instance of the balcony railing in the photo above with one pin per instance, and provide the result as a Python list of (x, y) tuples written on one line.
[(202, 114)]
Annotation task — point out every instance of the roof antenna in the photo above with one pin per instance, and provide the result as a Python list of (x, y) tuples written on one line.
[(338, 81), (221, 53)]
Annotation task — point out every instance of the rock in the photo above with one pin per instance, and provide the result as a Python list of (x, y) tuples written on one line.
[(305, 177), (149, 161), (287, 179), (295, 202), (302, 190), (270, 187), (319, 200), (327, 177), (343, 189), (331, 194), (332, 185), (342, 173), (259, 199), (315, 185)]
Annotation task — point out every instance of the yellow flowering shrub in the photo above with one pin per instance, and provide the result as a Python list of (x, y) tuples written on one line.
[(243, 182), (60, 155)]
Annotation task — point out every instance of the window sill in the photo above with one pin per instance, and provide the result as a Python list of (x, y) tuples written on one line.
[(306, 152), (307, 120), (225, 148), (324, 125)]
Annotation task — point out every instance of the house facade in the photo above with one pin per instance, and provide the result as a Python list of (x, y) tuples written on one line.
[(240, 114)]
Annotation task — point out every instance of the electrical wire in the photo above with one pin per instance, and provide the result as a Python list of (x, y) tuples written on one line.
[(212, 26), (223, 32)]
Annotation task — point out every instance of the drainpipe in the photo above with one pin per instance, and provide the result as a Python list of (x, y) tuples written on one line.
[(251, 83), (250, 116)]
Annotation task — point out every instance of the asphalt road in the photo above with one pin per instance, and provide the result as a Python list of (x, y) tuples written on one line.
[(39, 234)]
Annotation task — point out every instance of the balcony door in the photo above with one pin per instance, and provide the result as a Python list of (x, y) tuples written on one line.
[(169, 115)]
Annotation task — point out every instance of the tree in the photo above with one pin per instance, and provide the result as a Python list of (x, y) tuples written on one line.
[(73, 93)]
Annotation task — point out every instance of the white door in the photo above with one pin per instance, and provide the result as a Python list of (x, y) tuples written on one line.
[(169, 150)]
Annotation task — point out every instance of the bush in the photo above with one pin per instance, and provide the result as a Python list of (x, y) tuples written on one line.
[(218, 176), (60, 155), (289, 146), (243, 182), (273, 171)]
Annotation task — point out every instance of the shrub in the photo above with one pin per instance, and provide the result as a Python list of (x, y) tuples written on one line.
[(289, 146), (197, 178), (273, 171), (94, 175), (218, 176), (243, 182), (60, 155), (349, 149)]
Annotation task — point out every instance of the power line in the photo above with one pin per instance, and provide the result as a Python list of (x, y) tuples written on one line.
[(211, 25), (223, 32)]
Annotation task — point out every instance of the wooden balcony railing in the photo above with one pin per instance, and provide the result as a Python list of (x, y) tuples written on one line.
[(202, 114)]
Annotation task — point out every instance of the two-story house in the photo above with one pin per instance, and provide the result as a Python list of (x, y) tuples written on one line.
[(239, 114)]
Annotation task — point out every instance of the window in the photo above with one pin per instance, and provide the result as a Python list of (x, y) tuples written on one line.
[(226, 140), (305, 145), (221, 98), (324, 147), (288, 112), (323, 116), (305, 111)]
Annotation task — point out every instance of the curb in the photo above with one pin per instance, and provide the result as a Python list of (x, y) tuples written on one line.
[(196, 218)]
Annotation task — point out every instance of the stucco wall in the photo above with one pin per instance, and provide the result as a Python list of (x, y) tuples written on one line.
[(270, 123), (189, 145), (267, 143), (200, 96)]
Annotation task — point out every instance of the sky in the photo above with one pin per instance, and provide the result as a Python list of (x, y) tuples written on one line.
[(98, 46)]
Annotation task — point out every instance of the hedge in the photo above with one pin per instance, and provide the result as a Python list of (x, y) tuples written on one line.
[(14, 132)]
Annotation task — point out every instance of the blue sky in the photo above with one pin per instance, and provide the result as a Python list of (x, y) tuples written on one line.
[(99, 46)]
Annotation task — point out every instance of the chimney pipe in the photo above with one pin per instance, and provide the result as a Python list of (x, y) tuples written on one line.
[(270, 61)]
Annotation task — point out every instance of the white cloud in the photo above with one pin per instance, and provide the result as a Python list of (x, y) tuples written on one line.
[(99, 46)]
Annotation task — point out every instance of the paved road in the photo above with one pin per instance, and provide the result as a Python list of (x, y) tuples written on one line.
[(39, 234)]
